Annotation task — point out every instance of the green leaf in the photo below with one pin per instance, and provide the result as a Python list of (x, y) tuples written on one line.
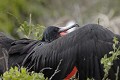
[(22, 74)]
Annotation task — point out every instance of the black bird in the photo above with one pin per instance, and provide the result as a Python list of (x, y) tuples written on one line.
[(13, 48), (82, 48), (50, 34)]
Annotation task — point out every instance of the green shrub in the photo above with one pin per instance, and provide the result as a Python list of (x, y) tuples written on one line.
[(108, 61), (14, 12), (22, 74), (30, 31)]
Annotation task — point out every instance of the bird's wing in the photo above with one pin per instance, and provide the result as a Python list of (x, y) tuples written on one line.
[(83, 48), (18, 45), (95, 45), (19, 50)]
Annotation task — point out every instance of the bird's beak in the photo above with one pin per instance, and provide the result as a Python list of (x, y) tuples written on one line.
[(62, 29), (65, 30)]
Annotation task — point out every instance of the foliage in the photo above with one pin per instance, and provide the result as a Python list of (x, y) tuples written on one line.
[(13, 12), (22, 74), (46, 12), (31, 31), (108, 61)]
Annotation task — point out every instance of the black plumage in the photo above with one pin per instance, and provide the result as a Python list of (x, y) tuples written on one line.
[(5, 44), (14, 49), (21, 48), (82, 48), (51, 33)]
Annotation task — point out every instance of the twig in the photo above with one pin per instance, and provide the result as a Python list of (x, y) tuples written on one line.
[(56, 71), (117, 74), (30, 21), (5, 54), (45, 69), (30, 67), (1, 57), (14, 17), (98, 20)]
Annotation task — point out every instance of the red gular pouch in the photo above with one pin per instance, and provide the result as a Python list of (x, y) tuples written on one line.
[(73, 72), (63, 33)]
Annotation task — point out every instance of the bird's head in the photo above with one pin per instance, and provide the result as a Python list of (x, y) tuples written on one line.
[(52, 32)]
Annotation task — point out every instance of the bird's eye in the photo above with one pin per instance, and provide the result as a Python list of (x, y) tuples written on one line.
[(56, 30)]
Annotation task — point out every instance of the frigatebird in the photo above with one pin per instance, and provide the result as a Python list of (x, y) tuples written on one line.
[(14, 48), (23, 46), (82, 48)]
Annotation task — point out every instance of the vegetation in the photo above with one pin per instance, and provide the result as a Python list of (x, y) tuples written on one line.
[(47, 12), (15, 13), (108, 61), (30, 31), (22, 74)]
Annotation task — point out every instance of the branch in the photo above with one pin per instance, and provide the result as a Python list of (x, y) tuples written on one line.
[(5, 54), (117, 74), (57, 70), (45, 69)]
